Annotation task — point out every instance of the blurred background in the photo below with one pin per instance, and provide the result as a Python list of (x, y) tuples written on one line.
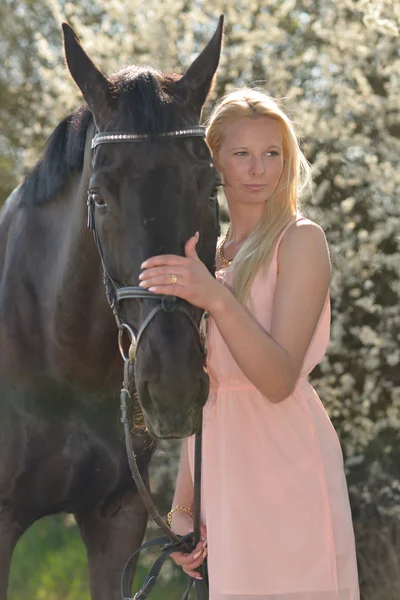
[(336, 66)]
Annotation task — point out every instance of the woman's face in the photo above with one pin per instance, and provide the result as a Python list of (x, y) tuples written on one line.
[(251, 159)]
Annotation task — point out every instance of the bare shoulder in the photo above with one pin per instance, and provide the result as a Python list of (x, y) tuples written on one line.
[(304, 240)]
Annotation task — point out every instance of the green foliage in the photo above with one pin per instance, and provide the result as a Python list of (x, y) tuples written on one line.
[(49, 563)]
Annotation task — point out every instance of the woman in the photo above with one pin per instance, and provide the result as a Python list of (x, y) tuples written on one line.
[(275, 513)]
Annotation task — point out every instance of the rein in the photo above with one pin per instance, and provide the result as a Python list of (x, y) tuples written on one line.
[(116, 294)]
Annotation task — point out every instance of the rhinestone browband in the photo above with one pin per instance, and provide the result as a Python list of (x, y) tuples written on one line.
[(109, 138)]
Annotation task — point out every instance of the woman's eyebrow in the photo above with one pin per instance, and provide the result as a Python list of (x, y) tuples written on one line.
[(245, 147)]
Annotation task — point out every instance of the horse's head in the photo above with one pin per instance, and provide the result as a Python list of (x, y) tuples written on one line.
[(150, 195)]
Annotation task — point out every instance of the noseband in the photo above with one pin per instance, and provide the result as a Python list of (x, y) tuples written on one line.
[(114, 291)]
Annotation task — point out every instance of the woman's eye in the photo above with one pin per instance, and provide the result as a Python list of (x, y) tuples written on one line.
[(269, 153)]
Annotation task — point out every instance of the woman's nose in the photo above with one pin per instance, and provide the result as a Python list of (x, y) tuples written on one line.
[(257, 167)]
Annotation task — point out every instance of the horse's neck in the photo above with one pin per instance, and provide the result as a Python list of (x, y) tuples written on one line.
[(54, 318), (82, 329)]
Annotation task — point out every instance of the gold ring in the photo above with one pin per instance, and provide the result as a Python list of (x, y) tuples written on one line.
[(174, 279)]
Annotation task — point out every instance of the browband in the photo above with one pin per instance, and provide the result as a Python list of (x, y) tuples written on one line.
[(110, 138)]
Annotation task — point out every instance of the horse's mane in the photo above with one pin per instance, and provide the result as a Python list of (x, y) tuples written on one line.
[(142, 97)]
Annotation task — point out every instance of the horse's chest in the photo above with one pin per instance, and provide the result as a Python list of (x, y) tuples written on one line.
[(64, 462)]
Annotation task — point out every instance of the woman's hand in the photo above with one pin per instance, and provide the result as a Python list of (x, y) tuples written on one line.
[(193, 281), (182, 524)]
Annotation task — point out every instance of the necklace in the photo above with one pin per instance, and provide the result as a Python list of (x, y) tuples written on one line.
[(221, 256)]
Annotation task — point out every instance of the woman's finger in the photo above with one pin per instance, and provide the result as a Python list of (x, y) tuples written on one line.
[(179, 271), (164, 259), (179, 558), (194, 564), (186, 560), (190, 247), (200, 551), (194, 574), (170, 290), (194, 558), (161, 280)]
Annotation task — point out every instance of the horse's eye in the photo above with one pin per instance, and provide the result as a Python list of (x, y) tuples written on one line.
[(98, 200), (214, 193)]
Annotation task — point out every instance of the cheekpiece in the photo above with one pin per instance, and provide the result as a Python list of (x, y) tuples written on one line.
[(111, 138)]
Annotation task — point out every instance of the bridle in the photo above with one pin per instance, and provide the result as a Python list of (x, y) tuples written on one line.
[(116, 294)]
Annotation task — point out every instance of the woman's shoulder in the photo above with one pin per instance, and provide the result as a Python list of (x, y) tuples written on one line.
[(302, 238), (301, 229)]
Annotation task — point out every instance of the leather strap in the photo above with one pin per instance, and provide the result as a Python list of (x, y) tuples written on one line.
[(129, 137), (184, 544), (115, 294), (172, 542)]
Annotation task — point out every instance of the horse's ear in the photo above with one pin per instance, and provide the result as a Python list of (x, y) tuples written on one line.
[(95, 87), (196, 83)]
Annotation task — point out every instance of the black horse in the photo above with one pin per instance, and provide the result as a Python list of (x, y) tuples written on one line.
[(61, 439)]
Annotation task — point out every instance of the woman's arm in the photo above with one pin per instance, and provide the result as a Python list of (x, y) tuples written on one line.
[(182, 523), (184, 484), (271, 362)]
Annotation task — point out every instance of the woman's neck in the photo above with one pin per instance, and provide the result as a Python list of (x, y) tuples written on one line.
[(243, 221)]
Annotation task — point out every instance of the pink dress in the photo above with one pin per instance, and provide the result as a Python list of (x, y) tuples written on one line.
[(274, 493)]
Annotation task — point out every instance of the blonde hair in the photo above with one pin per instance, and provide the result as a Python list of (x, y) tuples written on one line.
[(256, 252)]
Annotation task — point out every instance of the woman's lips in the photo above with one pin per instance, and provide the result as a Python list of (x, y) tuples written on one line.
[(255, 187)]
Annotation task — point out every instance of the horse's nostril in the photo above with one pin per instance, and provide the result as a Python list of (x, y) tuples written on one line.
[(173, 415)]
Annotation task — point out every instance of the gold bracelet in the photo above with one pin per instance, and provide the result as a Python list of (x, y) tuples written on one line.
[(184, 508)]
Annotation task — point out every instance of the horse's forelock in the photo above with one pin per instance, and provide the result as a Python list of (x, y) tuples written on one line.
[(145, 102), (145, 105)]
